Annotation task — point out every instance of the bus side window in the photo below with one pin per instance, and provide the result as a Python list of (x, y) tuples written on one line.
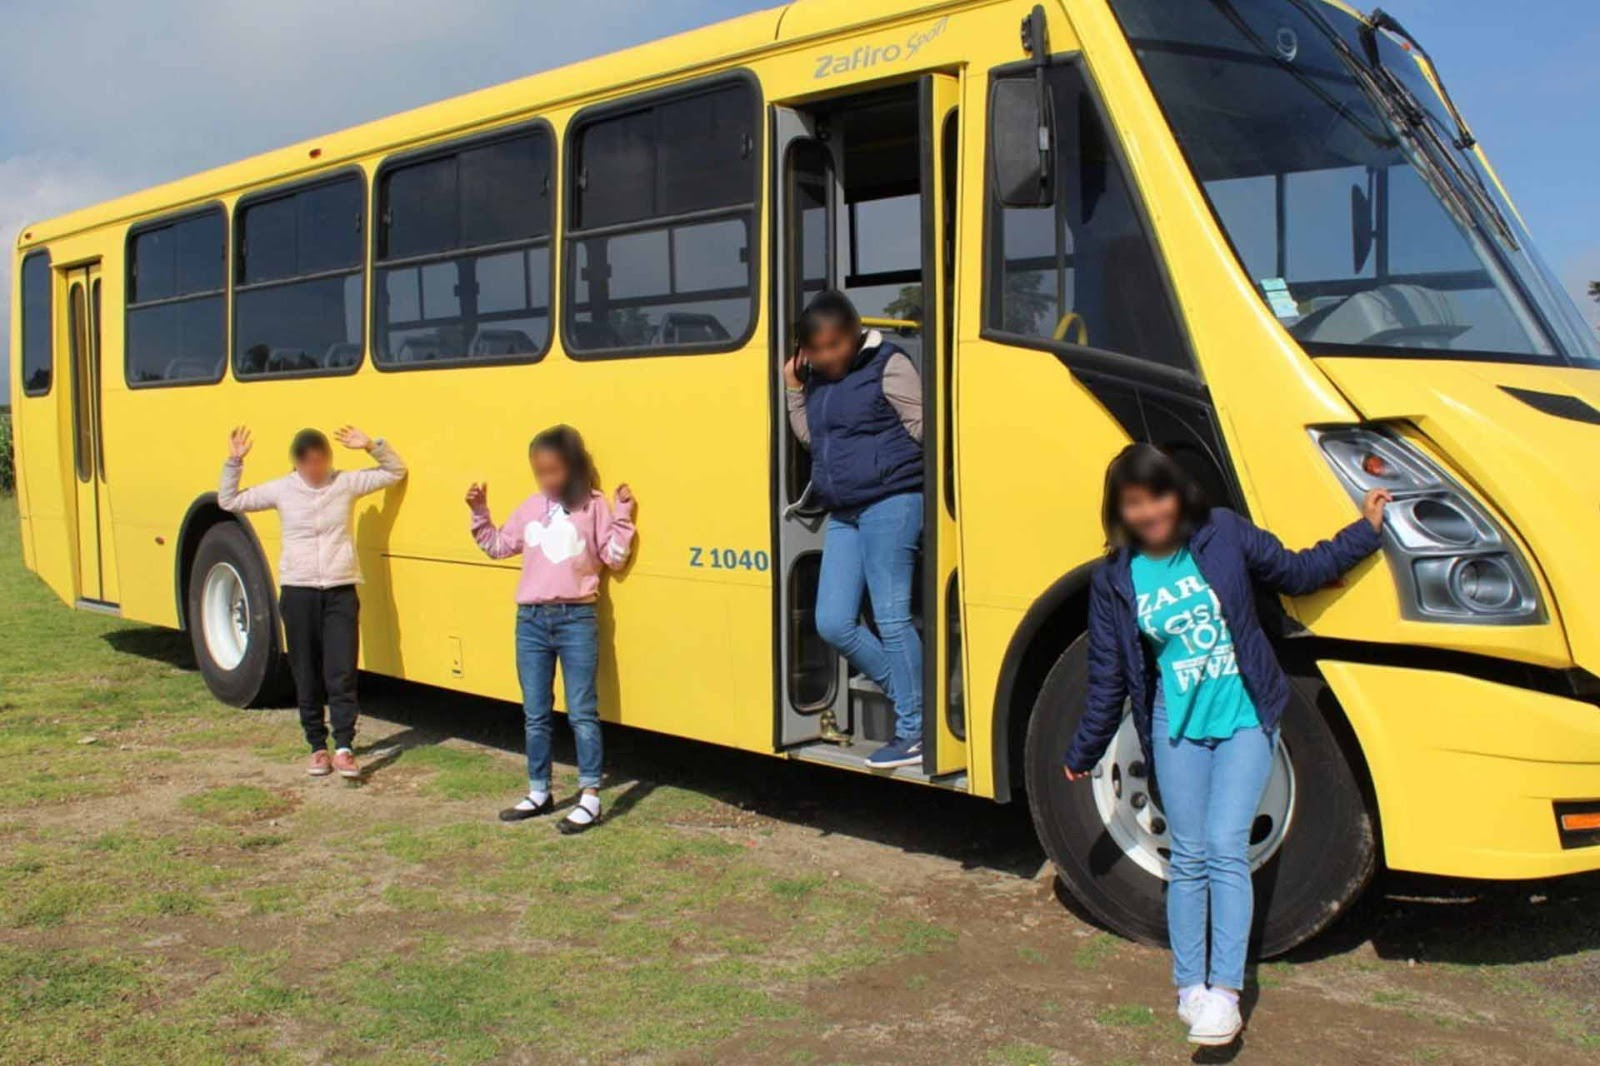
[(177, 316), (1082, 271), (297, 305), (659, 250), (463, 257), (38, 357)]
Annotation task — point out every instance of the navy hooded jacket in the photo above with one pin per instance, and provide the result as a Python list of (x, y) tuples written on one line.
[(1234, 557), (860, 450)]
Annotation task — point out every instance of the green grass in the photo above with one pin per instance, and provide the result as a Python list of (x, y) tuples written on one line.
[(1021, 1055), (1126, 1016), (436, 935), (235, 804)]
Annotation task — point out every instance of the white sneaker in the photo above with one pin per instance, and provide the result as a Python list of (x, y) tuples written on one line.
[(1187, 1001), (1214, 1019)]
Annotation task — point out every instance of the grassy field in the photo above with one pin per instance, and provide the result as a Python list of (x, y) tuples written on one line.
[(173, 889)]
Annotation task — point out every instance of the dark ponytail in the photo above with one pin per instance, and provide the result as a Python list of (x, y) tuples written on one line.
[(567, 443)]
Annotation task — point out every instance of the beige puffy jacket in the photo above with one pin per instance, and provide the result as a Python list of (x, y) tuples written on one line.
[(319, 550)]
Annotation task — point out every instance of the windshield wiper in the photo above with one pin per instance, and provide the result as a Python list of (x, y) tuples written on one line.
[(1382, 20), (1418, 118)]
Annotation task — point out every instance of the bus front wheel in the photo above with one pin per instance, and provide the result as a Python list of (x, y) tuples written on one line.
[(232, 624), (1313, 849)]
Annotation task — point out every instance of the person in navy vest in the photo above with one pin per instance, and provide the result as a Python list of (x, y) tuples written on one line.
[(1173, 631), (856, 401)]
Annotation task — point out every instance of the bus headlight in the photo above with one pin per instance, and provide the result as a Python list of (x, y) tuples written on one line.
[(1450, 556)]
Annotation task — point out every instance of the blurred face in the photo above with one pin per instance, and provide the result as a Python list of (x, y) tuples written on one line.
[(314, 467), (1154, 518), (550, 472), (832, 350)]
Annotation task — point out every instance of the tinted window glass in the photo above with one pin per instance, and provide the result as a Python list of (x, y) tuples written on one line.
[(418, 207), (175, 325), (679, 156), (267, 241), (651, 284), (297, 328), (1083, 271), (329, 221), (446, 302), (36, 346), (505, 191), (298, 306)]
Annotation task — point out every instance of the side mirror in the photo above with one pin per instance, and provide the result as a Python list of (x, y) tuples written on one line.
[(1020, 129)]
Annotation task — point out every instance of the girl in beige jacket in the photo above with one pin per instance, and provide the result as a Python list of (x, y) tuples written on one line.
[(317, 575)]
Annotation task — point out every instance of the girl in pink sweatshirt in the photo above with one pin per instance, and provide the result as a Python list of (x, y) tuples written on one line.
[(566, 533)]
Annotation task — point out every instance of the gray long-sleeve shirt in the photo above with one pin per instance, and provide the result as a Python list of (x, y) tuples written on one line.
[(902, 387)]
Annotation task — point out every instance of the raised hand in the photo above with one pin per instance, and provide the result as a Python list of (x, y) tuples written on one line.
[(353, 438), (792, 369), (478, 496), (624, 495), (1372, 507), (239, 443)]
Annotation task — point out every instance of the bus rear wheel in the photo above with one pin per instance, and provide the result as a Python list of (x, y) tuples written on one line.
[(232, 623), (1313, 846)]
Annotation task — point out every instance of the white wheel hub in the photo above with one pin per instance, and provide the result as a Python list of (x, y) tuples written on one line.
[(225, 616), (1129, 807)]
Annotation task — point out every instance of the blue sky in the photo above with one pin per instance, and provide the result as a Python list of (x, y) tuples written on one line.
[(100, 97)]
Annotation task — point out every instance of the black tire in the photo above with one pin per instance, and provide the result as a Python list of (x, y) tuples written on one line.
[(258, 677), (1326, 859)]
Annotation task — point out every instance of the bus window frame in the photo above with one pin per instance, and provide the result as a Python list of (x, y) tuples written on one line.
[(751, 210), (22, 322), (552, 241), (168, 219), (235, 245), (1087, 358)]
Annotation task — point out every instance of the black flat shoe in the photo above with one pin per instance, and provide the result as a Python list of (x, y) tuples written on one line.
[(516, 814), (568, 827)]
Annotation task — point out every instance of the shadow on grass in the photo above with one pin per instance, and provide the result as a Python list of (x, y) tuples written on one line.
[(162, 645)]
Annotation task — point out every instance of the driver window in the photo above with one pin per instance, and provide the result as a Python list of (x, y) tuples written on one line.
[(1082, 272)]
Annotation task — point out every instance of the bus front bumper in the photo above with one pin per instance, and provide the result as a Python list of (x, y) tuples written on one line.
[(1470, 775)]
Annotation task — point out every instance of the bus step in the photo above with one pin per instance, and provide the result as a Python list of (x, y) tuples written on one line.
[(871, 710), (853, 756)]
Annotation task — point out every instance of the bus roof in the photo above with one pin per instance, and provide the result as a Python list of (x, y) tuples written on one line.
[(661, 60)]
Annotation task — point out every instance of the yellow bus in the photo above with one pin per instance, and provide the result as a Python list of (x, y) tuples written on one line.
[(1255, 232)]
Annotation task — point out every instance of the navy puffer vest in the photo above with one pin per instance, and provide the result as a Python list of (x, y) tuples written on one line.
[(860, 450)]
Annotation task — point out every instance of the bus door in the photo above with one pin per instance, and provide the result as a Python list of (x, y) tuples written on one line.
[(813, 681), (864, 205), (96, 562)]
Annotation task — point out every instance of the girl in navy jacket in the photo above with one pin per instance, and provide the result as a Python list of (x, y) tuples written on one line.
[(1173, 631), (856, 401)]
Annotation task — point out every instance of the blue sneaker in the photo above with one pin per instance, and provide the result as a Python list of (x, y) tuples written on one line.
[(906, 751)]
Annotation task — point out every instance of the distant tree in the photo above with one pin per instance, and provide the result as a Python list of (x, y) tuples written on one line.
[(907, 306), (1594, 290)]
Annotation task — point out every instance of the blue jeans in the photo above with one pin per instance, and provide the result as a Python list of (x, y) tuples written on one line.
[(548, 632), (874, 548), (1209, 793)]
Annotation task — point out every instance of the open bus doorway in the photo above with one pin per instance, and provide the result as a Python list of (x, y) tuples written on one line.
[(864, 190)]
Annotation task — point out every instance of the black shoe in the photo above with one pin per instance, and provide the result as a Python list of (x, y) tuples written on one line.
[(517, 814), (569, 827)]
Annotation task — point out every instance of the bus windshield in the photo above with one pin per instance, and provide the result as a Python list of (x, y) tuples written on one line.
[(1362, 215)]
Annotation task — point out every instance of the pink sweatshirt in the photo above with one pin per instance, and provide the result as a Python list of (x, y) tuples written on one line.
[(562, 553)]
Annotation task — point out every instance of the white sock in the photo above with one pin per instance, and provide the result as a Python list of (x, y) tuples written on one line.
[(1189, 990), (1228, 993), (534, 798), (586, 810), (343, 751)]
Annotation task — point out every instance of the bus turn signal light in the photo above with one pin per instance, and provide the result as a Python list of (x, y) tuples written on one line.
[(1588, 821)]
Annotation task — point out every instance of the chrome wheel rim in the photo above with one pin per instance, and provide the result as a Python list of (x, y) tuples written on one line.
[(225, 616), (1130, 807)]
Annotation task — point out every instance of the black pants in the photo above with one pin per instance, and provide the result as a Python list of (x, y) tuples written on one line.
[(323, 633)]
